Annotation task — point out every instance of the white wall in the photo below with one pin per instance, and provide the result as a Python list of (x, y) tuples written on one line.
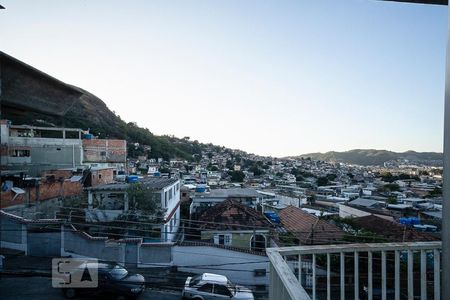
[(172, 203)]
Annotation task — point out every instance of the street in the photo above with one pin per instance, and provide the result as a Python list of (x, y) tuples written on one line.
[(40, 288)]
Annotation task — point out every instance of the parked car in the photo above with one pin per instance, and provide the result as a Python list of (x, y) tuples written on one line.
[(113, 280), (212, 286)]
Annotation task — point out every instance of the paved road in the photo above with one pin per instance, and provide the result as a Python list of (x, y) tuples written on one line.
[(40, 288)]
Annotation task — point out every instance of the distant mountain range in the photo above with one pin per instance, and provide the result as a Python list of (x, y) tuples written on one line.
[(374, 157)]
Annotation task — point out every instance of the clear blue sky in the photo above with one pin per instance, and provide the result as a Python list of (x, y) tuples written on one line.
[(269, 77)]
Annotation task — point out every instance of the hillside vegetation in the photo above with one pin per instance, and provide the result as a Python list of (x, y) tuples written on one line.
[(91, 112)]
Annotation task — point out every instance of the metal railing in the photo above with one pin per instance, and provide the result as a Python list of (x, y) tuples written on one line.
[(385, 263)]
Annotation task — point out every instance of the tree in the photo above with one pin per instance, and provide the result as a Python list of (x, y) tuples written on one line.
[(164, 170), (142, 199), (436, 192), (237, 176), (388, 177), (331, 176), (229, 164), (256, 171), (391, 200), (299, 178), (390, 187), (321, 181)]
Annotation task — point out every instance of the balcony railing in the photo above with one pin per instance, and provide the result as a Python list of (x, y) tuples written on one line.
[(351, 271)]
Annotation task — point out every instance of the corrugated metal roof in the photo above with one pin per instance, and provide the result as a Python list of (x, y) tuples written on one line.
[(232, 193), (364, 202), (151, 183)]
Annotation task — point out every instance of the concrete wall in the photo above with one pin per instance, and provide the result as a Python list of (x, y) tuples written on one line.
[(44, 244), (11, 231), (239, 267), (105, 150), (76, 243), (45, 154), (4, 131), (131, 254), (152, 255)]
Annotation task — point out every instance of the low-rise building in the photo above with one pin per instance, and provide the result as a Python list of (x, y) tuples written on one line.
[(109, 201), (37, 149), (105, 153), (234, 224), (307, 229), (202, 201)]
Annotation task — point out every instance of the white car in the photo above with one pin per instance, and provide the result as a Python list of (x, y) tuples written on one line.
[(212, 286)]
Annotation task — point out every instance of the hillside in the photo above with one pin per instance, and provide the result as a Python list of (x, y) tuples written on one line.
[(367, 157), (91, 112)]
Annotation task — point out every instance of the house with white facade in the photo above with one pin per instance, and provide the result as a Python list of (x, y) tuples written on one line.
[(109, 201)]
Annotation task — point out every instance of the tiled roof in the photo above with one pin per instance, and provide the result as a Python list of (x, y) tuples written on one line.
[(232, 215), (393, 231), (309, 229)]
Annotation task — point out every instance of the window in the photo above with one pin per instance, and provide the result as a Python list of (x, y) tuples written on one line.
[(222, 239), (207, 288), (195, 280), (258, 242), (99, 176), (221, 290), (20, 153), (259, 272)]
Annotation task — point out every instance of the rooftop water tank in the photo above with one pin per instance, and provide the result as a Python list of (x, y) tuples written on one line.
[(132, 178)]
